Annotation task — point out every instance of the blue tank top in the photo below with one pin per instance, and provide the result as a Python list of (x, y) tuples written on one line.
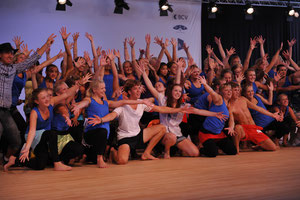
[(100, 110), (213, 124), (59, 122), (17, 87), (194, 92), (272, 73), (202, 102), (259, 118), (43, 84), (254, 87), (42, 124)]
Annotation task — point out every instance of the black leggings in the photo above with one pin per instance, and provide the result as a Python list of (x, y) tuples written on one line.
[(46, 150), (48, 142), (211, 146), (97, 138)]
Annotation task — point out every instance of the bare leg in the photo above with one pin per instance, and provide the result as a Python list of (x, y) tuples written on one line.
[(11, 161), (285, 138), (59, 166), (188, 148), (240, 133), (268, 145), (168, 140), (122, 155), (153, 135)]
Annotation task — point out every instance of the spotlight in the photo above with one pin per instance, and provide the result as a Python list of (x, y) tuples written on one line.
[(212, 7), (120, 4), (291, 11), (61, 4), (62, 1), (164, 7), (249, 9), (296, 14)]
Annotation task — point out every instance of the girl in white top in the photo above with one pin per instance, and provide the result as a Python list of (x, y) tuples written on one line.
[(173, 99)]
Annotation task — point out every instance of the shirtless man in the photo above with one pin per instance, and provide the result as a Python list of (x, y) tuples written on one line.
[(130, 136), (245, 126)]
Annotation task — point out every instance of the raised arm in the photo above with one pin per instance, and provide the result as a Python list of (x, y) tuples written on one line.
[(216, 98), (18, 42), (288, 57), (71, 91), (45, 64), (94, 51), (148, 41), (75, 38), (126, 54), (249, 53), (274, 59), (220, 47), (291, 44), (268, 101), (131, 42), (65, 35), (148, 83), (261, 42), (114, 70), (174, 45)]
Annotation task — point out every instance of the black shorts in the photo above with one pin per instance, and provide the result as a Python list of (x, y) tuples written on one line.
[(136, 142)]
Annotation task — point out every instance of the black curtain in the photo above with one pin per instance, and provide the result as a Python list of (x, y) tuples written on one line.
[(235, 31)]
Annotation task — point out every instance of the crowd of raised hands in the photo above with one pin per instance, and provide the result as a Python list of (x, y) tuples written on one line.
[(275, 79)]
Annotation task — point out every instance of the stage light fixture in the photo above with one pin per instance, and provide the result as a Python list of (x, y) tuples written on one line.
[(61, 4), (249, 9), (296, 14), (120, 4), (212, 7), (291, 11), (164, 7)]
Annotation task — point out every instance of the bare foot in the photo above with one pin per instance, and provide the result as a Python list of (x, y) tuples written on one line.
[(72, 161), (167, 156), (59, 166), (102, 164), (148, 157), (11, 161)]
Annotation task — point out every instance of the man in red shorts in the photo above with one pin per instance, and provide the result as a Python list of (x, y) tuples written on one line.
[(245, 128)]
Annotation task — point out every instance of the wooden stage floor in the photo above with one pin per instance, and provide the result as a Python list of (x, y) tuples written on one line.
[(250, 175)]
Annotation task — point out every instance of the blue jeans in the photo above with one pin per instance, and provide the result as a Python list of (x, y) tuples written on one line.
[(9, 130)]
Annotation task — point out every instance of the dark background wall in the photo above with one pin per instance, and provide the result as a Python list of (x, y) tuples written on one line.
[(234, 30)]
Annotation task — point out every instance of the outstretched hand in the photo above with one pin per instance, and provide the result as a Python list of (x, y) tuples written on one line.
[(94, 120), (63, 33)]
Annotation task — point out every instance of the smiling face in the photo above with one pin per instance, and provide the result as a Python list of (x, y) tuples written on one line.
[(283, 100), (135, 92), (6, 58), (173, 69), (251, 76), (62, 89), (100, 90), (249, 92), (227, 77), (20, 58), (163, 70), (43, 99), (226, 92), (195, 73), (282, 71), (52, 72), (176, 92), (127, 68), (159, 86)]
